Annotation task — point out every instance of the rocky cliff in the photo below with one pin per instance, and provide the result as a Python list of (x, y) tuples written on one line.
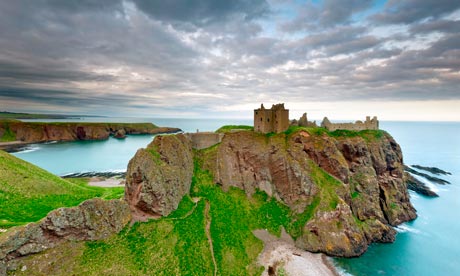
[(159, 176), (33, 132), (347, 186)]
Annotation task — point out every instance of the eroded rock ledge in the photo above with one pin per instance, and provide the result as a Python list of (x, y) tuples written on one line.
[(93, 219)]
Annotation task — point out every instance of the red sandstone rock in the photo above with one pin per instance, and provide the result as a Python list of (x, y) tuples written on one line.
[(159, 176)]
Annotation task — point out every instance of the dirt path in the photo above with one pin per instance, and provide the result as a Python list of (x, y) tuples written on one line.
[(208, 234)]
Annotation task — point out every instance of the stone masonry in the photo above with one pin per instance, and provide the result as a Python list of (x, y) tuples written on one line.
[(372, 124), (274, 120)]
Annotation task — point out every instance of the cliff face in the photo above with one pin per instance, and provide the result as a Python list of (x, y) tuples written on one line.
[(159, 176), (33, 132), (354, 186), (349, 189)]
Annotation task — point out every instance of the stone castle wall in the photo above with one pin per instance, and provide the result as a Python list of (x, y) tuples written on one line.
[(275, 119), (369, 124), (202, 140)]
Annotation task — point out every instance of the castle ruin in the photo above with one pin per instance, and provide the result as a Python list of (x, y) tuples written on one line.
[(372, 124), (303, 122), (274, 120)]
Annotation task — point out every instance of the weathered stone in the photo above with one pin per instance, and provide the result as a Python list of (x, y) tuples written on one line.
[(247, 161), (274, 120), (356, 126), (2, 268), (159, 176), (334, 232), (120, 134), (92, 220), (418, 186)]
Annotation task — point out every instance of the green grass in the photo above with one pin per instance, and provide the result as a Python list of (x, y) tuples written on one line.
[(368, 135), (229, 128), (28, 193)]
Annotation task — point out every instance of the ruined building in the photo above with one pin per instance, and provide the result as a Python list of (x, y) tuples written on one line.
[(372, 124), (303, 122), (275, 119)]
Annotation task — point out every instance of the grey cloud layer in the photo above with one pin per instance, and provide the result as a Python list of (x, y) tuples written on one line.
[(188, 56)]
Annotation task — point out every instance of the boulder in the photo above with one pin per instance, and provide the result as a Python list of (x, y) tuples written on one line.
[(120, 134), (159, 176), (93, 219)]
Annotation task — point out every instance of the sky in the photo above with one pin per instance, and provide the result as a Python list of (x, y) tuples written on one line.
[(345, 59)]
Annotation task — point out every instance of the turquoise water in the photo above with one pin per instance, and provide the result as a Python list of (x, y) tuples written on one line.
[(111, 155), (427, 246)]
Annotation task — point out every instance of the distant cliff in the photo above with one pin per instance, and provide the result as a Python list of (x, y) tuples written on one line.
[(345, 189), (34, 132)]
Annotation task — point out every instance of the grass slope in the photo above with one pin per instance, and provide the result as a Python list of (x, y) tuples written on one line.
[(230, 128), (28, 193)]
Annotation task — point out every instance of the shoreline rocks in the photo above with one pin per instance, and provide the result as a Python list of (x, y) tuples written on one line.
[(433, 179), (418, 186)]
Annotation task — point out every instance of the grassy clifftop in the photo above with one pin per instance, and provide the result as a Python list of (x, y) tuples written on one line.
[(28, 193)]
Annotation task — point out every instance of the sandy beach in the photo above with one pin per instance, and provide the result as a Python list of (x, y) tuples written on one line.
[(281, 256), (106, 182)]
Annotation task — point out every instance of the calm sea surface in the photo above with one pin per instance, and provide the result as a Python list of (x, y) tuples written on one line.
[(430, 245)]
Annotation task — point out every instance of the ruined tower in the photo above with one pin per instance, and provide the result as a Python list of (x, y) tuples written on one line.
[(275, 119)]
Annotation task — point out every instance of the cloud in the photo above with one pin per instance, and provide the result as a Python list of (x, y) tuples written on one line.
[(329, 13), (195, 58), (409, 11), (444, 26)]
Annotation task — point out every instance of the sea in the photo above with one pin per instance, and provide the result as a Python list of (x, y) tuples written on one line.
[(429, 245)]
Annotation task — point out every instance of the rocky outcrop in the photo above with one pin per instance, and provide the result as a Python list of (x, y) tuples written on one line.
[(352, 186), (428, 177), (35, 132), (418, 186), (93, 219), (432, 170), (159, 176), (120, 134)]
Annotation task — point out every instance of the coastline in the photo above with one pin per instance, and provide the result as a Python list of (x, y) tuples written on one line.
[(280, 255), (18, 145), (13, 145)]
